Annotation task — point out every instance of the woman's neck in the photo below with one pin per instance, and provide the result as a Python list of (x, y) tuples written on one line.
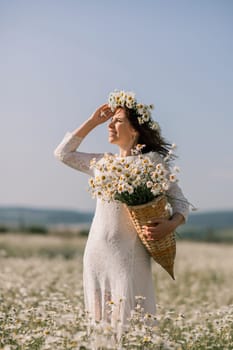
[(125, 150), (124, 153)]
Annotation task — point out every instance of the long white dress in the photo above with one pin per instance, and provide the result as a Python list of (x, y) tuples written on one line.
[(117, 267)]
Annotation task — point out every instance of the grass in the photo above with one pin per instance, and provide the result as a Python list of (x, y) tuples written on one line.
[(23, 245), (41, 299)]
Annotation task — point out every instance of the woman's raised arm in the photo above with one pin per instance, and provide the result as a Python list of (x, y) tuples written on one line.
[(66, 151)]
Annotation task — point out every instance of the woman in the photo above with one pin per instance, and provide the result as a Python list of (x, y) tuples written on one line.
[(117, 267)]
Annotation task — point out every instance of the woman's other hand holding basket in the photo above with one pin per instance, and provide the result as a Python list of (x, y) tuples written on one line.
[(158, 228)]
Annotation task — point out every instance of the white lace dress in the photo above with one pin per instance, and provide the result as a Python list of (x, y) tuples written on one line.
[(117, 267)]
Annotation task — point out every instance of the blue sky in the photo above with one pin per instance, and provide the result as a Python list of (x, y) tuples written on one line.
[(59, 61)]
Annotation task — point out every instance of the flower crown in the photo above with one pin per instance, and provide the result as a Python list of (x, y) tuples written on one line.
[(121, 98)]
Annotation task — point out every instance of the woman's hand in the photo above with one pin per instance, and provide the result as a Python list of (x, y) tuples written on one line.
[(101, 115), (159, 228)]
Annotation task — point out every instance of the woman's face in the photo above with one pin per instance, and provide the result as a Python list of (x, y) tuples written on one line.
[(120, 130)]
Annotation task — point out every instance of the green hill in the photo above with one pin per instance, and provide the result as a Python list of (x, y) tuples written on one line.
[(20, 216), (213, 219), (207, 226), (214, 226)]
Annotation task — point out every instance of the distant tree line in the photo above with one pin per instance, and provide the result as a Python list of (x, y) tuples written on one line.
[(208, 234), (36, 229), (27, 229)]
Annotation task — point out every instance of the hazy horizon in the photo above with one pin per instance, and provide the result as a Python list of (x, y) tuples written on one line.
[(59, 61), (91, 211)]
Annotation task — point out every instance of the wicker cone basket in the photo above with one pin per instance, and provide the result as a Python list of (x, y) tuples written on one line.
[(163, 251)]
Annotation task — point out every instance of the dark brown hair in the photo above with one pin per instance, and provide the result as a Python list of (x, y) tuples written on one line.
[(147, 136)]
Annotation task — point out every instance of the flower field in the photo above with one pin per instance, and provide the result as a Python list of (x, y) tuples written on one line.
[(41, 299)]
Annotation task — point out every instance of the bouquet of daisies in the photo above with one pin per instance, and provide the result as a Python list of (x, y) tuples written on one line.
[(142, 186), (133, 181)]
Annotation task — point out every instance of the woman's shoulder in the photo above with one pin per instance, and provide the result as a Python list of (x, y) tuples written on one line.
[(153, 155)]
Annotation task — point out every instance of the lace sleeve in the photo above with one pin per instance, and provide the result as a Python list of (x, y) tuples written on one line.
[(178, 201), (66, 153), (175, 195)]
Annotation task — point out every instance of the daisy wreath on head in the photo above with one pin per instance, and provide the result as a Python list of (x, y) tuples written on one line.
[(121, 98)]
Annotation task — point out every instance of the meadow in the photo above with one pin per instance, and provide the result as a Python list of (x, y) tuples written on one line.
[(41, 299)]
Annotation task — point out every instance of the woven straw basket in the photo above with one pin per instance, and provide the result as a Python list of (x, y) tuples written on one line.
[(163, 251)]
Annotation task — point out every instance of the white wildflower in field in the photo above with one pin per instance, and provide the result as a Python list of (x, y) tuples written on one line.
[(41, 301)]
